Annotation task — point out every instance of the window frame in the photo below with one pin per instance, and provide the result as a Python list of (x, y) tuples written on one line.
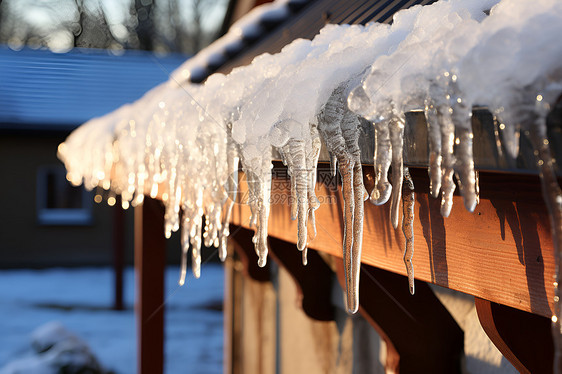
[(60, 216)]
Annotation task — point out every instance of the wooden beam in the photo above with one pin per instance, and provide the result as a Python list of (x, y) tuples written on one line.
[(502, 252), (421, 335), (523, 338), (150, 254)]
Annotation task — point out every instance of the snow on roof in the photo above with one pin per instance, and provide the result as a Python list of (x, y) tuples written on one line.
[(242, 33), (44, 90)]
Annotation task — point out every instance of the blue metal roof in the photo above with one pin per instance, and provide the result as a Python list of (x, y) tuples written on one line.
[(40, 89)]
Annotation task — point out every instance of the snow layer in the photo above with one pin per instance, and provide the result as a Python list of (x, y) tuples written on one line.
[(184, 143), (194, 338)]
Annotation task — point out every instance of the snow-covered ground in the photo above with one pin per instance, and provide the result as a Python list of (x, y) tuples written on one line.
[(81, 298)]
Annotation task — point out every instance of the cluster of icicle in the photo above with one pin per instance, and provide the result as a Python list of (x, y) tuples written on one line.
[(509, 61), (183, 143)]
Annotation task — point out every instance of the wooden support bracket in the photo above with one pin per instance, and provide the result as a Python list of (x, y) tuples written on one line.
[(523, 338), (421, 335), (313, 280)]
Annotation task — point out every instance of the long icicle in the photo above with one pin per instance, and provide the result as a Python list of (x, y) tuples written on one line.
[(264, 197), (185, 229), (300, 176), (330, 123), (464, 167), (350, 132), (434, 138), (312, 155), (231, 187), (408, 199), (397, 139), (288, 160)]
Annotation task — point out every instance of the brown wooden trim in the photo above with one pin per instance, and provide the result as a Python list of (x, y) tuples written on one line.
[(423, 336), (502, 252), (523, 338), (150, 254)]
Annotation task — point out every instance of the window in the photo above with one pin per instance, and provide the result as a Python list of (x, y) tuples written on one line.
[(58, 202)]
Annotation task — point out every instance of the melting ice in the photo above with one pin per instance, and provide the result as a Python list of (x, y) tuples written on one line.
[(184, 143)]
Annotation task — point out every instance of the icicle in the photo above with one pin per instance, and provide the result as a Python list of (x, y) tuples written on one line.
[(462, 120), (251, 179), (313, 153), (340, 133), (185, 229), (223, 238), (477, 186), (408, 199), (257, 166), (300, 151), (509, 131), (231, 188), (288, 160), (350, 127), (207, 239), (382, 159), (294, 198), (171, 216), (397, 139), (195, 237), (465, 168), (496, 121), (299, 174), (437, 92), (434, 138), (298, 156), (264, 206), (333, 165), (447, 168), (305, 256)]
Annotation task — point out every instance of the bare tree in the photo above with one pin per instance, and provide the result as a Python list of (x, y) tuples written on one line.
[(196, 32), (144, 32), (91, 30), (163, 25)]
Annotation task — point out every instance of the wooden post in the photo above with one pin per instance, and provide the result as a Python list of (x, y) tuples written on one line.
[(149, 267), (118, 254)]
